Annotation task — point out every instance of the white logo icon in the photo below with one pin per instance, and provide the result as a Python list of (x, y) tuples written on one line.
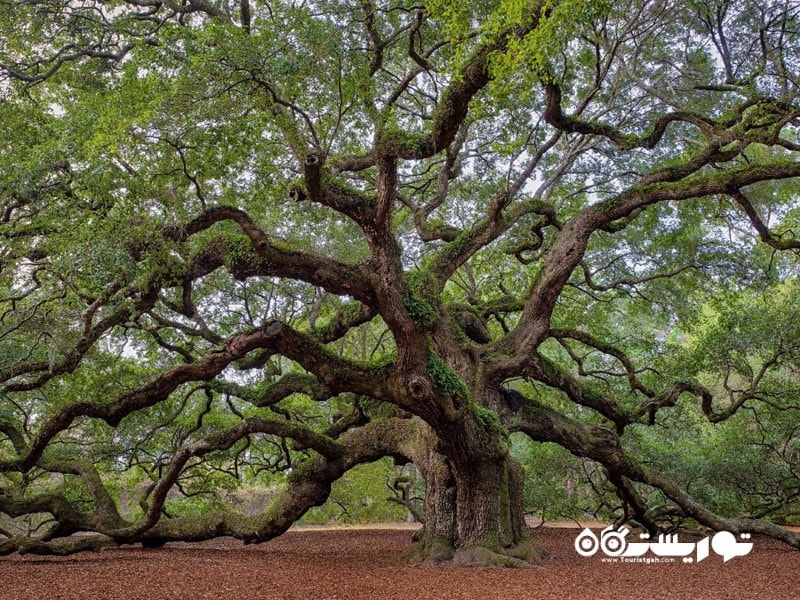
[(613, 543)]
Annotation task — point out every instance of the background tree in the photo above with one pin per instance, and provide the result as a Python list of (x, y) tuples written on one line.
[(296, 237)]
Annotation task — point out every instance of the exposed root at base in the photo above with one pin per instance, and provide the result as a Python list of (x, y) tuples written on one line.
[(431, 551), (479, 556), (437, 550)]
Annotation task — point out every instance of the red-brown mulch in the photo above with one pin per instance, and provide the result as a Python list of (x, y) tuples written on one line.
[(361, 564)]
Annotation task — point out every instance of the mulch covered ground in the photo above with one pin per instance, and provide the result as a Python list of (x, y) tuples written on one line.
[(361, 564)]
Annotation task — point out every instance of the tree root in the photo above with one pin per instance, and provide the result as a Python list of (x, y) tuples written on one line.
[(437, 550), (515, 557), (431, 550), (62, 547)]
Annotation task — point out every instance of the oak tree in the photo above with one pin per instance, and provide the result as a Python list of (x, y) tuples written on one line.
[(296, 237)]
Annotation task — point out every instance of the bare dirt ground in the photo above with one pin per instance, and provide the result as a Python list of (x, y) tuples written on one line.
[(355, 564)]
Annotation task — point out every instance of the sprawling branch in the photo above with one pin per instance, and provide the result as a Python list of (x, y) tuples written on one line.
[(547, 372), (223, 440), (306, 487), (571, 242), (453, 106), (337, 373), (40, 372), (556, 117), (606, 348), (337, 277), (602, 445)]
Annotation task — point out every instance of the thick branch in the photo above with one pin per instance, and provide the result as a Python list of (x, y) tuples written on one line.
[(337, 277), (570, 244), (223, 440), (307, 486), (542, 423)]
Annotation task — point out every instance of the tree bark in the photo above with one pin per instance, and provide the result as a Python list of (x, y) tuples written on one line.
[(473, 504)]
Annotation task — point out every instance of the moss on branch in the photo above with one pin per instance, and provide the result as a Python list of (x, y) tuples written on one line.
[(445, 379)]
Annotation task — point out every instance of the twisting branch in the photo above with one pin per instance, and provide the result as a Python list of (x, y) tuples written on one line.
[(223, 440), (335, 372), (572, 240), (588, 277), (714, 414), (556, 117), (602, 445), (606, 348), (319, 270), (307, 486), (549, 373), (764, 233)]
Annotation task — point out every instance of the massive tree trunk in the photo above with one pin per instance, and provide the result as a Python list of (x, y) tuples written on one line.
[(473, 505)]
